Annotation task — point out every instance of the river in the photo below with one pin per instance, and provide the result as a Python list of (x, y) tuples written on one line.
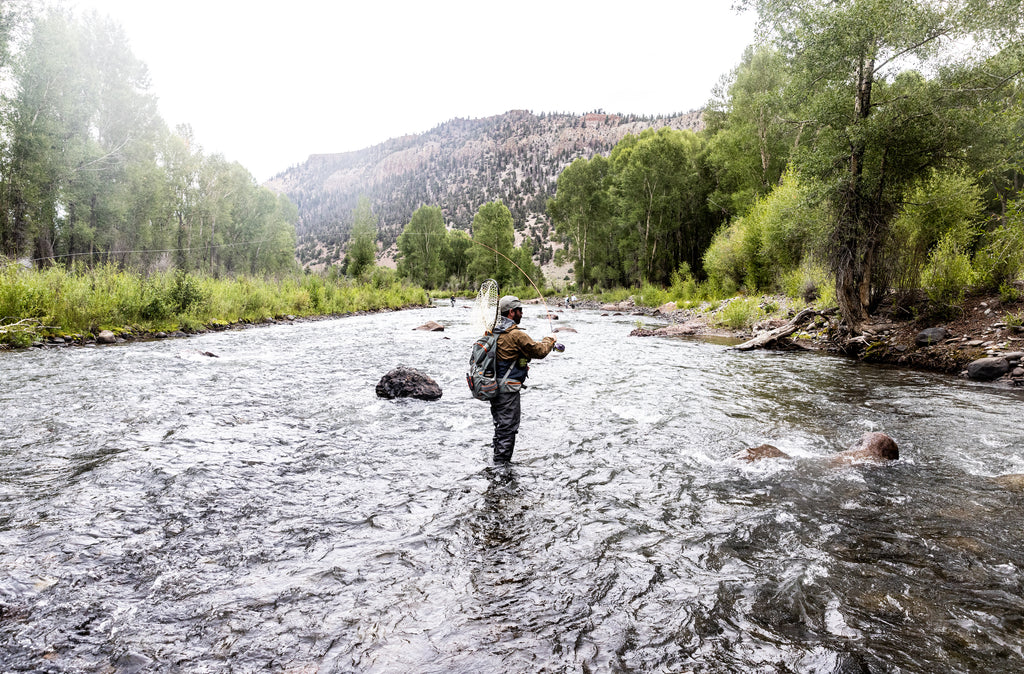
[(262, 510)]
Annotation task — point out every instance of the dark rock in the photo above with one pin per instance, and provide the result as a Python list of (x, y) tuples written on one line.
[(760, 452), (987, 369), (208, 354), (431, 326), (405, 382), (160, 335), (931, 336), (876, 447), (551, 317)]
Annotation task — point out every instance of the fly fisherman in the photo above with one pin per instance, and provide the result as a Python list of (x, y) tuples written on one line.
[(515, 349)]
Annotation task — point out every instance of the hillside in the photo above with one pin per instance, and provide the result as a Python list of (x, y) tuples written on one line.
[(515, 157)]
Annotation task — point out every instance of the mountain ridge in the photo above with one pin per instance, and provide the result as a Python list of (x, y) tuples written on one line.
[(458, 165)]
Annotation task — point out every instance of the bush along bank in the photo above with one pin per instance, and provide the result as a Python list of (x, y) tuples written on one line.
[(58, 306)]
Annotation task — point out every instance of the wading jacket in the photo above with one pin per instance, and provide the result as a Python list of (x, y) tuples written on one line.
[(515, 349)]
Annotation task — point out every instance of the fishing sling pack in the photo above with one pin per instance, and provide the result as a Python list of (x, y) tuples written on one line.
[(482, 376)]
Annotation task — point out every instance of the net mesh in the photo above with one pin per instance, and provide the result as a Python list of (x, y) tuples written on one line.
[(485, 311)]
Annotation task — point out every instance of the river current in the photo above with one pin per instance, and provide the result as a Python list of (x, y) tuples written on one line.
[(263, 511)]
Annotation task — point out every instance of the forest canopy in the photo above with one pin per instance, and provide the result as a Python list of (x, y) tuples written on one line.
[(90, 174)]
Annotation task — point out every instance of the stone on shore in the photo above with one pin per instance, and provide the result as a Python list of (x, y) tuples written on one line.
[(431, 326), (106, 337), (987, 369), (406, 382), (931, 336), (667, 308)]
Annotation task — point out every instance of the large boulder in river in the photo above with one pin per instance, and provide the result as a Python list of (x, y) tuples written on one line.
[(431, 326), (931, 336), (405, 382), (987, 369), (873, 447)]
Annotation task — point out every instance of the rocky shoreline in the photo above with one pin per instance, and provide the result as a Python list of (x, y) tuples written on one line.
[(978, 344)]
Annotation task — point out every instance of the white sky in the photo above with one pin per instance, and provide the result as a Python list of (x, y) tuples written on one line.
[(269, 83)]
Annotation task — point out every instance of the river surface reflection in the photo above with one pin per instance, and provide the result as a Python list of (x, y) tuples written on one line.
[(165, 511)]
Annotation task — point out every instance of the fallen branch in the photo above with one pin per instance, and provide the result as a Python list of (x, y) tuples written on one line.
[(766, 338)]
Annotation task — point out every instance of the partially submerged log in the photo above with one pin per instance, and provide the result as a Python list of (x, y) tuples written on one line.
[(772, 336)]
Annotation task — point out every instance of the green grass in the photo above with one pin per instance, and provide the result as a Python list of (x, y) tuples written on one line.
[(58, 301)]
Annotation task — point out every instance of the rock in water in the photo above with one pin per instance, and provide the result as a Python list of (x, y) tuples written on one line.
[(405, 382), (874, 447), (761, 452), (431, 326), (987, 369)]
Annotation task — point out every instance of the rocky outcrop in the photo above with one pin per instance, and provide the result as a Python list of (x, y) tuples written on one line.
[(406, 382)]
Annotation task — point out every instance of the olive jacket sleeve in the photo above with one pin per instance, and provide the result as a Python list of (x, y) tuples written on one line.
[(517, 344)]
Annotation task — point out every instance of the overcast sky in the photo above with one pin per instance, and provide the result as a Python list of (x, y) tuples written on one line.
[(269, 83)]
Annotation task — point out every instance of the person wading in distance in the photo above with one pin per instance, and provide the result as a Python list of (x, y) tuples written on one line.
[(515, 349)]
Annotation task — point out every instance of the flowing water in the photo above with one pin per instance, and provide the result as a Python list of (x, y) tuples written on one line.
[(165, 511)]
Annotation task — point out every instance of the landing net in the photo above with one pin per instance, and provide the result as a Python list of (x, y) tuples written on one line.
[(485, 310)]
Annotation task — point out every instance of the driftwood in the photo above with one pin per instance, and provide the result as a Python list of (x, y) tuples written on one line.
[(766, 338)]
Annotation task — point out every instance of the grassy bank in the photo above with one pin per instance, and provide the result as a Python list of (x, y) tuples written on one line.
[(35, 304)]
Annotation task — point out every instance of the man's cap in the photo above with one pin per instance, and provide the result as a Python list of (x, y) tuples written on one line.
[(508, 303)]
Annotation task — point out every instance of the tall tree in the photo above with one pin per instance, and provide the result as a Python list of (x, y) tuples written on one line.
[(751, 136), (421, 247), (580, 210), (362, 245), (494, 233), (877, 124)]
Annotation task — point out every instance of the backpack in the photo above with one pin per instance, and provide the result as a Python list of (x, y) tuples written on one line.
[(482, 376)]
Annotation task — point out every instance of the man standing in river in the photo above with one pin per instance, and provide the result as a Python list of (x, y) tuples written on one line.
[(515, 349)]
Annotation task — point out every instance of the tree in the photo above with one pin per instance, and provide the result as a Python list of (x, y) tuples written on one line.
[(580, 209), (494, 234), (750, 135), (362, 246), (877, 124), (421, 248)]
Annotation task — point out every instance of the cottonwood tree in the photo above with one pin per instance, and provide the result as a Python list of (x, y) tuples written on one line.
[(362, 245), (494, 231), (891, 89), (421, 248)]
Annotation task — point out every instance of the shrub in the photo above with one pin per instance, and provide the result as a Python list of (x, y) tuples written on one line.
[(1000, 259), (740, 313), (948, 273)]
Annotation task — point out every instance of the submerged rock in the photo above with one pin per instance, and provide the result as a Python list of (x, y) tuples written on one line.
[(431, 326), (760, 452), (405, 382), (877, 447)]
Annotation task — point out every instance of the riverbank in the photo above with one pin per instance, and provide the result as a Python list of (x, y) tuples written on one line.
[(983, 326)]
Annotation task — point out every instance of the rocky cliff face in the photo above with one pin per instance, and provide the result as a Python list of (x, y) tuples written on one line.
[(460, 165)]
